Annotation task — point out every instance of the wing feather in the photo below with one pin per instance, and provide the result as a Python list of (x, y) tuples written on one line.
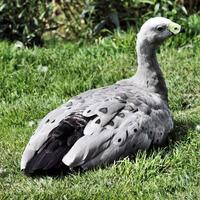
[(87, 147), (47, 124), (136, 130), (105, 112)]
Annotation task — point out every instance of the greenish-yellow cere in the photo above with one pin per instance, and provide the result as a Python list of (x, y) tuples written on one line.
[(174, 28)]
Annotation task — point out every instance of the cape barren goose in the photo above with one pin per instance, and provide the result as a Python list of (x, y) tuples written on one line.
[(102, 125)]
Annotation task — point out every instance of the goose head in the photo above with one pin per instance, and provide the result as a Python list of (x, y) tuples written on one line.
[(156, 30)]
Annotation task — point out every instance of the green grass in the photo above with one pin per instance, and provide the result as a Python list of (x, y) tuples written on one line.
[(26, 95)]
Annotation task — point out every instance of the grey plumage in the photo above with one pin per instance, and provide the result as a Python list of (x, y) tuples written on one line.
[(105, 124)]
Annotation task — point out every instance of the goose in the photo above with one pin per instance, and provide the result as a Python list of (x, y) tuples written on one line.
[(103, 125)]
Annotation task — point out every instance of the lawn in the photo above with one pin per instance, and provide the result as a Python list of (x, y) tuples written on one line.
[(35, 81)]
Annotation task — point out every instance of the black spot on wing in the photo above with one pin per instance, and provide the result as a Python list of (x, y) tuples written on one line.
[(103, 110), (122, 115), (147, 84), (98, 121), (135, 110), (135, 130), (119, 140), (126, 133), (122, 96), (111, 123)]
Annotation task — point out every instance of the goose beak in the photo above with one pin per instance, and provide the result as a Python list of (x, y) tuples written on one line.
[(174, 28)]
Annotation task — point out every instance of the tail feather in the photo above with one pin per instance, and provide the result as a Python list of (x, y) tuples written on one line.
[(48, 159)]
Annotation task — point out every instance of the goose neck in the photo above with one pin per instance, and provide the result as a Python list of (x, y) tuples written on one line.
[(148, 73)]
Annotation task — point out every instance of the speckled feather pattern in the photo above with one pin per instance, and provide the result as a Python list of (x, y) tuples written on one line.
[(125, 119), (113, 121)]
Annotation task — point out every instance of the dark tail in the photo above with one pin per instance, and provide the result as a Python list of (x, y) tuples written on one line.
[(48, 159)]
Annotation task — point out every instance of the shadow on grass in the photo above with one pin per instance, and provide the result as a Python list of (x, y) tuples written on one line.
[(180, 131)]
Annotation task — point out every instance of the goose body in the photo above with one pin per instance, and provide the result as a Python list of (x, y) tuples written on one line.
[(105, 124)]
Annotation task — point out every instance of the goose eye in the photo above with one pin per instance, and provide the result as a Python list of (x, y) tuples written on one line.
[(160, 28)]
